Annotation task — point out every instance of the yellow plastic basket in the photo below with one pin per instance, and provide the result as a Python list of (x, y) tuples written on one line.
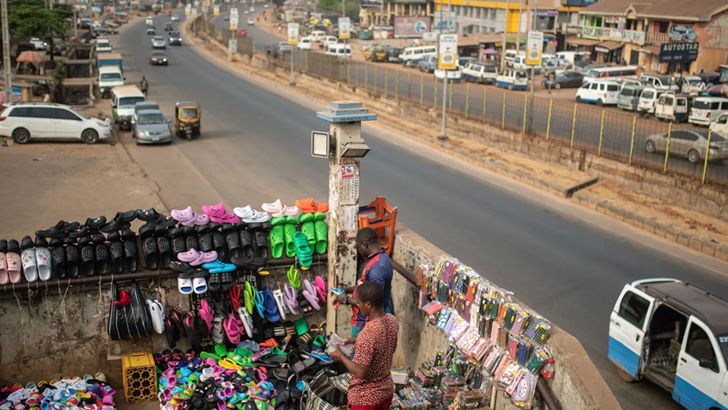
[(139, 377)]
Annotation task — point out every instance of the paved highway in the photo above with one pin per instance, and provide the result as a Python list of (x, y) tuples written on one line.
[(566, 262)]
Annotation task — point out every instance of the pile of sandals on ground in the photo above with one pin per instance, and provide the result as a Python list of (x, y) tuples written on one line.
[(285, 364), (89, 392), (246, 237)]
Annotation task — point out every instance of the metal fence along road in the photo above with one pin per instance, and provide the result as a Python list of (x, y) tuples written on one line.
[(618, 135)]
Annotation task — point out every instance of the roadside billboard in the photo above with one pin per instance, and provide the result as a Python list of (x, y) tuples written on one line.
[(293, 33), (534, 48), (411, 26), (679, 52), (447, 52), (344, 28), (233, 19)]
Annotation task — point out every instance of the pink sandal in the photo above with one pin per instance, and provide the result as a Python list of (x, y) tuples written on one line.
[(309, 292), (233, 328), (321, 287)]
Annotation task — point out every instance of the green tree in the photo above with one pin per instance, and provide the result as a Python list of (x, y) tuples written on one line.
[(30, 18), (334, 6)]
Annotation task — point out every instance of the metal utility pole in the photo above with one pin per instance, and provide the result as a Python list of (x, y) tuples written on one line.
[(518, 41), (505, 35), (8, 85), (75, 21)]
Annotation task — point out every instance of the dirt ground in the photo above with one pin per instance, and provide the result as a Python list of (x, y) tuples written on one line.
[(547, 176)]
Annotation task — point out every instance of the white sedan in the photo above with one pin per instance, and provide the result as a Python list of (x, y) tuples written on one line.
[(251, 22)]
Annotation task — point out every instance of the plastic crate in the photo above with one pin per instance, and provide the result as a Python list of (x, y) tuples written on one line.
[(139, 377), (382, 217)]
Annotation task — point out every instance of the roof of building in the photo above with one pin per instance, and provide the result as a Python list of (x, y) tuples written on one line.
[(695, 10), (692, 300)]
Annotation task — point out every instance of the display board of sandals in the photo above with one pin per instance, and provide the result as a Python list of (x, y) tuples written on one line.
[(486, 325), (204, 246)]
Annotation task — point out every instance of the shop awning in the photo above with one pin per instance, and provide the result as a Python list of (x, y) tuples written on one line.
[(650, 50), (607, 46), (577, 41), (475, 39)]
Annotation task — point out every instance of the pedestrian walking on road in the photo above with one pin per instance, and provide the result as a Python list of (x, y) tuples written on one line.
[(144, 85), (371, 386), (377, 268)]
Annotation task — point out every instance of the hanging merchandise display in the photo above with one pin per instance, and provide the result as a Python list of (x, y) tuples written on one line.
[(490, 335)]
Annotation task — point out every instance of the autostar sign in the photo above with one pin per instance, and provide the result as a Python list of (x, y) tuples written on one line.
[(678, 52)]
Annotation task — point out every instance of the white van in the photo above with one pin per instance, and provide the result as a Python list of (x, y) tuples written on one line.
[(103, 45), (705, 109), (317, 35), (339, 50), (110, 76), (305, 43), (675, 335), (720, 125), (672, 107), (659, 82), (510, 57), (692, 85), (411, 54), (571, 57), (600, 92), (512, 80), (123, 99), (519, 63), (648, 98)]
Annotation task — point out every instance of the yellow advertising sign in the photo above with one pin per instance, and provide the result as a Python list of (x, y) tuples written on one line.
[(293, 33), (447, 52), (534, 48)]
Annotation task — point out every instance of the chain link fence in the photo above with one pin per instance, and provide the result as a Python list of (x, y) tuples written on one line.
[(619, 135)]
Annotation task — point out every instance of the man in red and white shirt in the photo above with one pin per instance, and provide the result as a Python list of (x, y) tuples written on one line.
[(371, 386)]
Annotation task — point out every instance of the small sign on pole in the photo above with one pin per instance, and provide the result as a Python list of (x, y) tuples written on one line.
[(447, 53), (293, 33), (344, 28), (188, 9), (534, 48), (216, 10), (232, 47), (233, 19)]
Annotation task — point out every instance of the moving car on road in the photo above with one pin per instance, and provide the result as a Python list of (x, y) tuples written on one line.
[(152, 128), (149, 21), (675, 335), (689, 144), (427, 64), (174, 17), (168, 26), (326, 41), (37, 121), (393, 54), (512, 80), (339, 50), (720, 126), (158, 58), (187, 119), (648, 99), (141, 106), (566, 79), (251, 21), (103, 45), (376, 53), (159, 42), (109, 77), (175, 39), (411, 55), (151, 31), (305, 43)]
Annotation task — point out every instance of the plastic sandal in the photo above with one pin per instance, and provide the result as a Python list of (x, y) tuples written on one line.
[(291, 298), (322, 232), (304, 252), (278, 297), (294, 277), (308, 229), (271, 309), (276, 241), (321, 287), (249, 297), (260, 303), (288, 232)]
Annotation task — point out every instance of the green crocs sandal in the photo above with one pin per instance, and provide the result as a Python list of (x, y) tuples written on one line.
[(322, 237), (308, 217), (303, 250), (277, 241), (319, 216), (301, 326), (288, 231), (278, 220), (292, 220), (249, 297), (308, 229)]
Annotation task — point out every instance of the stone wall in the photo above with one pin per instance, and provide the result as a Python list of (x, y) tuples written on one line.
[(577, 383)]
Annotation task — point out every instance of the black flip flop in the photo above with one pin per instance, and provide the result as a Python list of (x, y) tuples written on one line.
[(170, 331), (214, 283), (183, 268), (150, 253), (218, 242), (88, 255), (204, 237), (165, 251), (116, 251), (226, 281), (232, 240), (131, 252), (246, 244), (72, 258), (177, 240), (260, 248), (58, 258), (190, 238), (101, 254)]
